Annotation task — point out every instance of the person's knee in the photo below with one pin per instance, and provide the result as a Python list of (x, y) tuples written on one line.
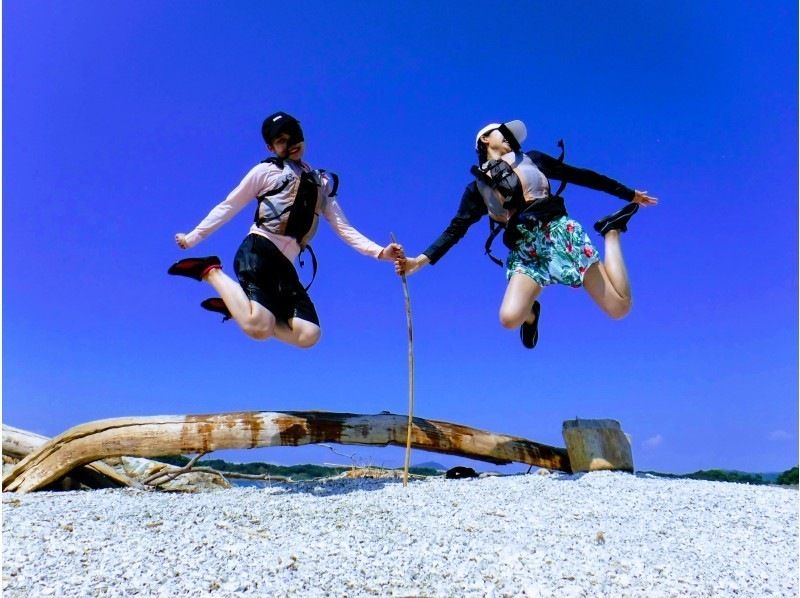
[(259, 329), (308, 337), (509, 319), (259, 333), (621, 308)]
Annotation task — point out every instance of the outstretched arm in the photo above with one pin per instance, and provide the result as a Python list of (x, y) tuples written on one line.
[(258, 178), (335, 216), (643, 199), (392, 252), (553, 169), (470, 210), (409, 265)]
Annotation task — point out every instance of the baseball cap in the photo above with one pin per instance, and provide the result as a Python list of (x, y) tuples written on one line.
[(278, 123), (516, 128)]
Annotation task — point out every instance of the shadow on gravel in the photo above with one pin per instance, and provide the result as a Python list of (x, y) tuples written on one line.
[(336, 487), (324, 488)]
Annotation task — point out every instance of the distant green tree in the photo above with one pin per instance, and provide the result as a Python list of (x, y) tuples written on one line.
[(788, 477), (295, 472), (426, 471), (178, 460), (714, 475), (720, 475)]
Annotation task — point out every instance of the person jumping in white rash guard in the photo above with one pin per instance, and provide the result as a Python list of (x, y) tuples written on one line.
[(268, 300), (546, 245)]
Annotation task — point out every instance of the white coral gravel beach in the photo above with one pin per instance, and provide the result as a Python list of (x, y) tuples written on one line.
[(600, 534)]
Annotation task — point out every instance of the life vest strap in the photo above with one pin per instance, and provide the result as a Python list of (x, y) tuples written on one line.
[(313, 263), (539, 212), (563, 184), (495, 228), (302, 209), (263, 198)]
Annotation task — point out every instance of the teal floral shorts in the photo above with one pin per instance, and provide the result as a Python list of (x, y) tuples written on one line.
[(558, 252)]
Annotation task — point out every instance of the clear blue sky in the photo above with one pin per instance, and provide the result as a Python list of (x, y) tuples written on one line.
[(124, 123)]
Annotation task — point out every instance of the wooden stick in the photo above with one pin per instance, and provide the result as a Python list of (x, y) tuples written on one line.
[(410, 374), (171, 474)]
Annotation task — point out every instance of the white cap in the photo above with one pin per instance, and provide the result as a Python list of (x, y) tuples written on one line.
[(517, 128)]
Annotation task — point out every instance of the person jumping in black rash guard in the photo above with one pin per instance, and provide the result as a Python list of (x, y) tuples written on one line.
[(546, 245), (268, 299)]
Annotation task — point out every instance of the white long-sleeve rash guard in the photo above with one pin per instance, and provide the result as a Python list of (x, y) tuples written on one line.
[(262, 178)]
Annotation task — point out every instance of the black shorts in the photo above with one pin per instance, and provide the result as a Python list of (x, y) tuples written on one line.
[(270, 279)]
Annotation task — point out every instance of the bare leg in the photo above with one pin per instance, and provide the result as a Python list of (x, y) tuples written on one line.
[(615, 264), (521, 292), (298, 332), (607, 283), (255, 320)]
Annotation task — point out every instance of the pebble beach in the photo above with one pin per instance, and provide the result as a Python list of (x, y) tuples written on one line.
[(598, 534)]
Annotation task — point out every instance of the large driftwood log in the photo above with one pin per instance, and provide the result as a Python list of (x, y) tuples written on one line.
[(21, 443), (174, 434), (111, 472)]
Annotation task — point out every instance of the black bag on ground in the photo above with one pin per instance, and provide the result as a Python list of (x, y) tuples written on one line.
[(458, 473)]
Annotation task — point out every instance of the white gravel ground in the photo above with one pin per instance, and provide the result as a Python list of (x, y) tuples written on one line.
[(601, 534)]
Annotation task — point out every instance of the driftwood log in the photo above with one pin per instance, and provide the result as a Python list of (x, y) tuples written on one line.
[(177, 434), (21, 443), (113, 472), (18, 444)]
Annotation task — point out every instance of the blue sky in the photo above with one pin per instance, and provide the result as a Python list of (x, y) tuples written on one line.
[(124, 123)]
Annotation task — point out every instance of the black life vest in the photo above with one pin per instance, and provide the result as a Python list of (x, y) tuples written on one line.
[(298, 218), (500, 176), (300, 210)]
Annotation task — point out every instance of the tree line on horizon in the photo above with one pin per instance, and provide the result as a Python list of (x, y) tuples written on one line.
[(298, 473), (786, 478), (310, 471)]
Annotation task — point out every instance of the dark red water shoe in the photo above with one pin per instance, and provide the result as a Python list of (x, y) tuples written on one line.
[(217, 305), (194, 267)]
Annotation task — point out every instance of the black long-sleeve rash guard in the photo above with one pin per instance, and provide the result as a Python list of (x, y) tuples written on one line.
[(472, 207)]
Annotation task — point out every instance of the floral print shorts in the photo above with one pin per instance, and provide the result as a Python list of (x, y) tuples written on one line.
[(558, 252)]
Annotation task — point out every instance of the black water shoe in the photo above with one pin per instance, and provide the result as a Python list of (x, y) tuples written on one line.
[(529, 333), (194, 267), (616, 221), (217, 305)]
